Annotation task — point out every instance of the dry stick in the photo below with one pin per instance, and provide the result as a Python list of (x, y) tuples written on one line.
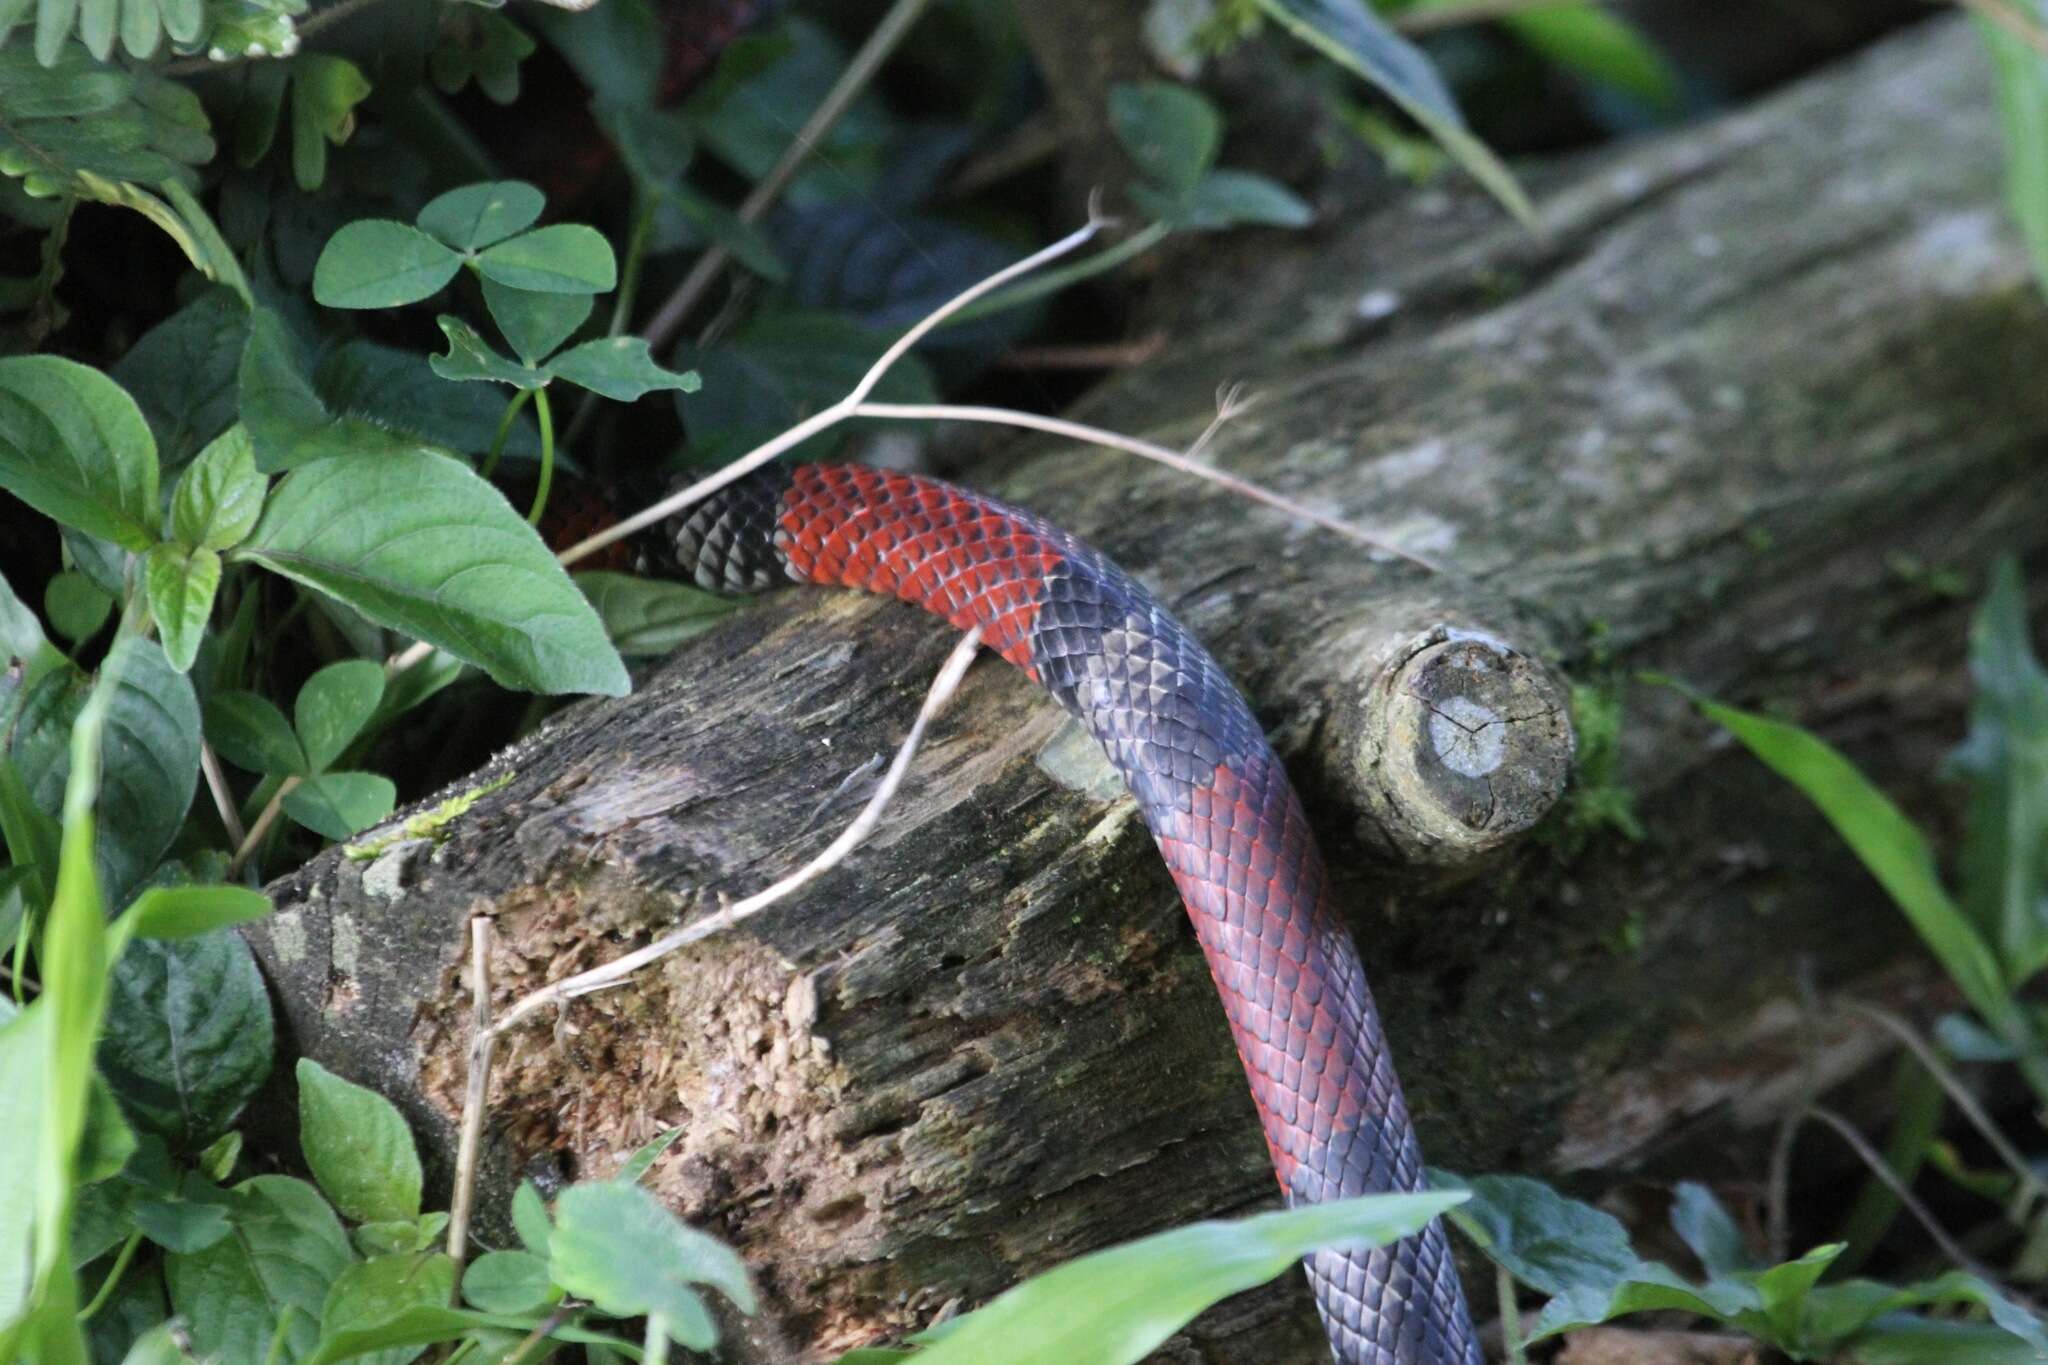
[(1882, 1169), (1172, 459), (2030, 1186), (861, 70), (837, 412), (267, 818), (481, 1042), (614, 972), (223, 801)]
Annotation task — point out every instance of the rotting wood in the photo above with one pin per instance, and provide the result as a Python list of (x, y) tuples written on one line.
[(1755, 376)]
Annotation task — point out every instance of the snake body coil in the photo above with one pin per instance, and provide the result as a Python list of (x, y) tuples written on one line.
[(1218, 803)]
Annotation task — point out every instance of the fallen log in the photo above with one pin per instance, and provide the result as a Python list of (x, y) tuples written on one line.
[(1724, 420)]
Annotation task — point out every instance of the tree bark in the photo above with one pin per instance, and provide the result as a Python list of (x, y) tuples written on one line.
[(1760, 390)]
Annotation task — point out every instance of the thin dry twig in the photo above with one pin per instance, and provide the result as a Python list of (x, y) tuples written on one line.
[(223, 799), (268, 816), (859, 72), (615, 972), (1172, 459), (482, 1040)]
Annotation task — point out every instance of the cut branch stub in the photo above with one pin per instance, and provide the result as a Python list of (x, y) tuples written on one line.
[(1458, 745)]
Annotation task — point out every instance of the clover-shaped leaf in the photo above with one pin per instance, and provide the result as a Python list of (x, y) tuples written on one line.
[(471, 357), (377, 263), (477, 216), (535, 324)]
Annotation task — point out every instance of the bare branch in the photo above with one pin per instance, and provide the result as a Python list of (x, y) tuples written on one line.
[(615, 972), (268, 817), (223, 799), (482, 1039)]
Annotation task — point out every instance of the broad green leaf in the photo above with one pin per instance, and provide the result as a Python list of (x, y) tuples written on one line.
[(77, 606), (509, 1282), (358, 1146), (424, 1325), (1349, 33), (1115, 1306), (220, 495), (620, 369), (535, 324), (334, 706), (189, 911), (182, 372), (325, 92), (70, 121), (397, 390), (162, 1344), (1905, 1339), (477, 216), (373, 1292), (31, 835), (2022, 84), (1784, 1288), (151, 757), (376, 263), (250, 732), (76, 448), (21, 637), (180, 1224), (287, 1252), (530, 1219), (188, 1038), (1705, 1227), (646, 616), (1226, 199), (1890, 846), (181, 584), (620, 1247), (1170, 132), (24, 1066), (341, 805), (1839, 1312), (289, 423), (1602, 47), (386, 1236), (567, 258), (2005, 851), (419, 543), (470, 357), (645, 1155)]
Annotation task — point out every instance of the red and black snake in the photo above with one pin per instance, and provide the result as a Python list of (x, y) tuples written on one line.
[(1218, 803)]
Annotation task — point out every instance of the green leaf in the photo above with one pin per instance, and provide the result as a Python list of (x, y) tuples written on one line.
[(1784, 1289), (509, 1282), (567, 258), (21, 637), (645, 616), (334, 706), (182, 373), (1839, 1312), (250, 732), (1704, 1226), (67, 118), (535, 324), (372, 1293), (2005, 850), (477, 216), (181, 584), (1350, 34), (289, 423), (470, 357), (1602, 47), (341, 805), (287, 1252), (165, 912), (1909, 1340), (1226, 199), (151, 757), (376, 263), (358, 1146), (644, 1156), (1117, 1305), (419, 543), (220, 495), (325, 92), (180, 1224), (396, 389), (620, 1247), (530, 1218), (2022, 84), (620, 369), (1170, 132), (424, 1325), (77, 606), (76, 448), (188, 1037), (1890, 846)]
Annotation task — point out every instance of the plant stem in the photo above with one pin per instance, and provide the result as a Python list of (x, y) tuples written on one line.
[(859, 71), (547, 455), (1052, 281), (622, 309), (106, 1289), (655, 1351), (1510, 1316), (277, 1338), (520, 398)]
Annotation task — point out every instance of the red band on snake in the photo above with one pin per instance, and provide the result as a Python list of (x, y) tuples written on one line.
[(1216, 798)]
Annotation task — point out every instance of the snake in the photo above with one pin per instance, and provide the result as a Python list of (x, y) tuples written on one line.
[(1215, 796)]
